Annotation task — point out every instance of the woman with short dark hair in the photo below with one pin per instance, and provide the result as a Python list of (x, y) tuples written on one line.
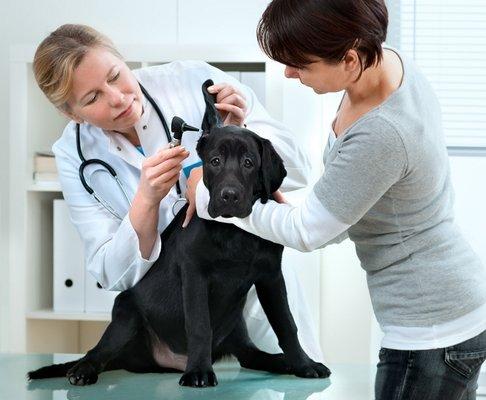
[(387, 186)]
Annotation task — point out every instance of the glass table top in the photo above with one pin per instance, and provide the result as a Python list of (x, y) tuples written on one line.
[(347, 382)]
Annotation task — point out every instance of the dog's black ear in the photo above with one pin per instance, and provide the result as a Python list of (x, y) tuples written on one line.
[(272, 170), (201, 144), (211, 117)]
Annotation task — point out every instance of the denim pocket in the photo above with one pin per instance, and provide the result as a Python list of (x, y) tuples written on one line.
[(466, 363), (383, 353)]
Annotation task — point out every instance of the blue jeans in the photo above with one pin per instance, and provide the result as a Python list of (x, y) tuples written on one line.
[(450, 373)]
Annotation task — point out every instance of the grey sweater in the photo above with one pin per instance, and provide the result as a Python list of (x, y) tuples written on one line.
[(388, 177)]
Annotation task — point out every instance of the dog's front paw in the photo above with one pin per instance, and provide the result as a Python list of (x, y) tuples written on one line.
[(312, 370), (83, 373), (199, 378)]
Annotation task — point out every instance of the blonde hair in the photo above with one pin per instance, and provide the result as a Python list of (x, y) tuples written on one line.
[(59, 54)]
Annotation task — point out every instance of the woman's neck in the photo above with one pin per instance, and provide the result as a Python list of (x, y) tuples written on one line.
[(377, 82), (131, 136)]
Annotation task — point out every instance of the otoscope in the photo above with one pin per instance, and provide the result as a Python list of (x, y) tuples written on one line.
[(178, 127)]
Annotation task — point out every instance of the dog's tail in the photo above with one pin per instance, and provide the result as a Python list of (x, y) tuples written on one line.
[(51, 371)]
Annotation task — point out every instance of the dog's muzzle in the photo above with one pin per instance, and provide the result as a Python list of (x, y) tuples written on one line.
[(229, 202)]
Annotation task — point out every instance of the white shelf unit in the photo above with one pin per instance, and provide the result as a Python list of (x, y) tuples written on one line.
[(44, 187), (35, 125), (49, 314)]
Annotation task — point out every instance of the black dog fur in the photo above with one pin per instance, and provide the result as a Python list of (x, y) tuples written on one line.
[(191, 300)]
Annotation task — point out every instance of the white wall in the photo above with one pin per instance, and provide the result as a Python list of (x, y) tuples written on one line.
[(4, 162), (346, 313)]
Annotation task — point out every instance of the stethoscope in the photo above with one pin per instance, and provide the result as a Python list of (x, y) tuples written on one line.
[(178, 127)]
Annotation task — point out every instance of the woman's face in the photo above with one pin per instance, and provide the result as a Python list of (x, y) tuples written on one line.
[(105, 93), (325, 77)]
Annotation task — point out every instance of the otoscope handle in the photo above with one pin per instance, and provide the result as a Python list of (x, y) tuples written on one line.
[(178, 127)]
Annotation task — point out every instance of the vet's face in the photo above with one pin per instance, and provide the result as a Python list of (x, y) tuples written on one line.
[(231, 165), (105, 93)]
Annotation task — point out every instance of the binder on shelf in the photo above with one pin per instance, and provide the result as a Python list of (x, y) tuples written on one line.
[(69, 268), (75, 289), (45, 170), (44, 161), (96, 298), (40, 177)]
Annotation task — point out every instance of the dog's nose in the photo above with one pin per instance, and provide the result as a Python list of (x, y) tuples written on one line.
[(229, 195)]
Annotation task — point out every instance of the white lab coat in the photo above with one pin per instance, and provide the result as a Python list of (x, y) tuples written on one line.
[(111, 246)]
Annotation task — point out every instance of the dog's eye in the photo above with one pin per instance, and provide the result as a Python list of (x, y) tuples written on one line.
[(215, 162), (248, 163)]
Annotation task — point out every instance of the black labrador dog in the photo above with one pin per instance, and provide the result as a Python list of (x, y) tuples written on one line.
[(186, 313)]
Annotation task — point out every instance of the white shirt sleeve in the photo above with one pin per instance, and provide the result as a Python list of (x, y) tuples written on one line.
[(305, 227), (116, 258), (111, 247)]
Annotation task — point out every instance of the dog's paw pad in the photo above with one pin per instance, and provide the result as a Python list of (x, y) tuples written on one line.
[(313, 370), (322, 370), (83, 373), (198, 378)]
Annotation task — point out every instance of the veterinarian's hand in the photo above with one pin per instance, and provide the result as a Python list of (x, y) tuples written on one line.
[(279, 197), (159, 173), (230, 102), (194, 178)]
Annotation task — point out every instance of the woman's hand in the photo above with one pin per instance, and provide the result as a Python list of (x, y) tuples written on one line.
[(194, 178), (159, 173), (230, 103), (279, 197)]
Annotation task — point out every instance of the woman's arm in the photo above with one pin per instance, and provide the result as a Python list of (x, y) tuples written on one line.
[(367, 164), (113, 248), (305, 227), (159, 174)]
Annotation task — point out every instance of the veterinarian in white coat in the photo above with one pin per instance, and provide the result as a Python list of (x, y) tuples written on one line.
[(112, 246)]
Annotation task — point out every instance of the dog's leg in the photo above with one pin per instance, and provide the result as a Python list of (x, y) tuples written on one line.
[(125, 324), (249, 356), (272, 294), (199, 371)]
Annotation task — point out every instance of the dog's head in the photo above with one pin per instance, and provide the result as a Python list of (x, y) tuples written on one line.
[(239, 166)]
